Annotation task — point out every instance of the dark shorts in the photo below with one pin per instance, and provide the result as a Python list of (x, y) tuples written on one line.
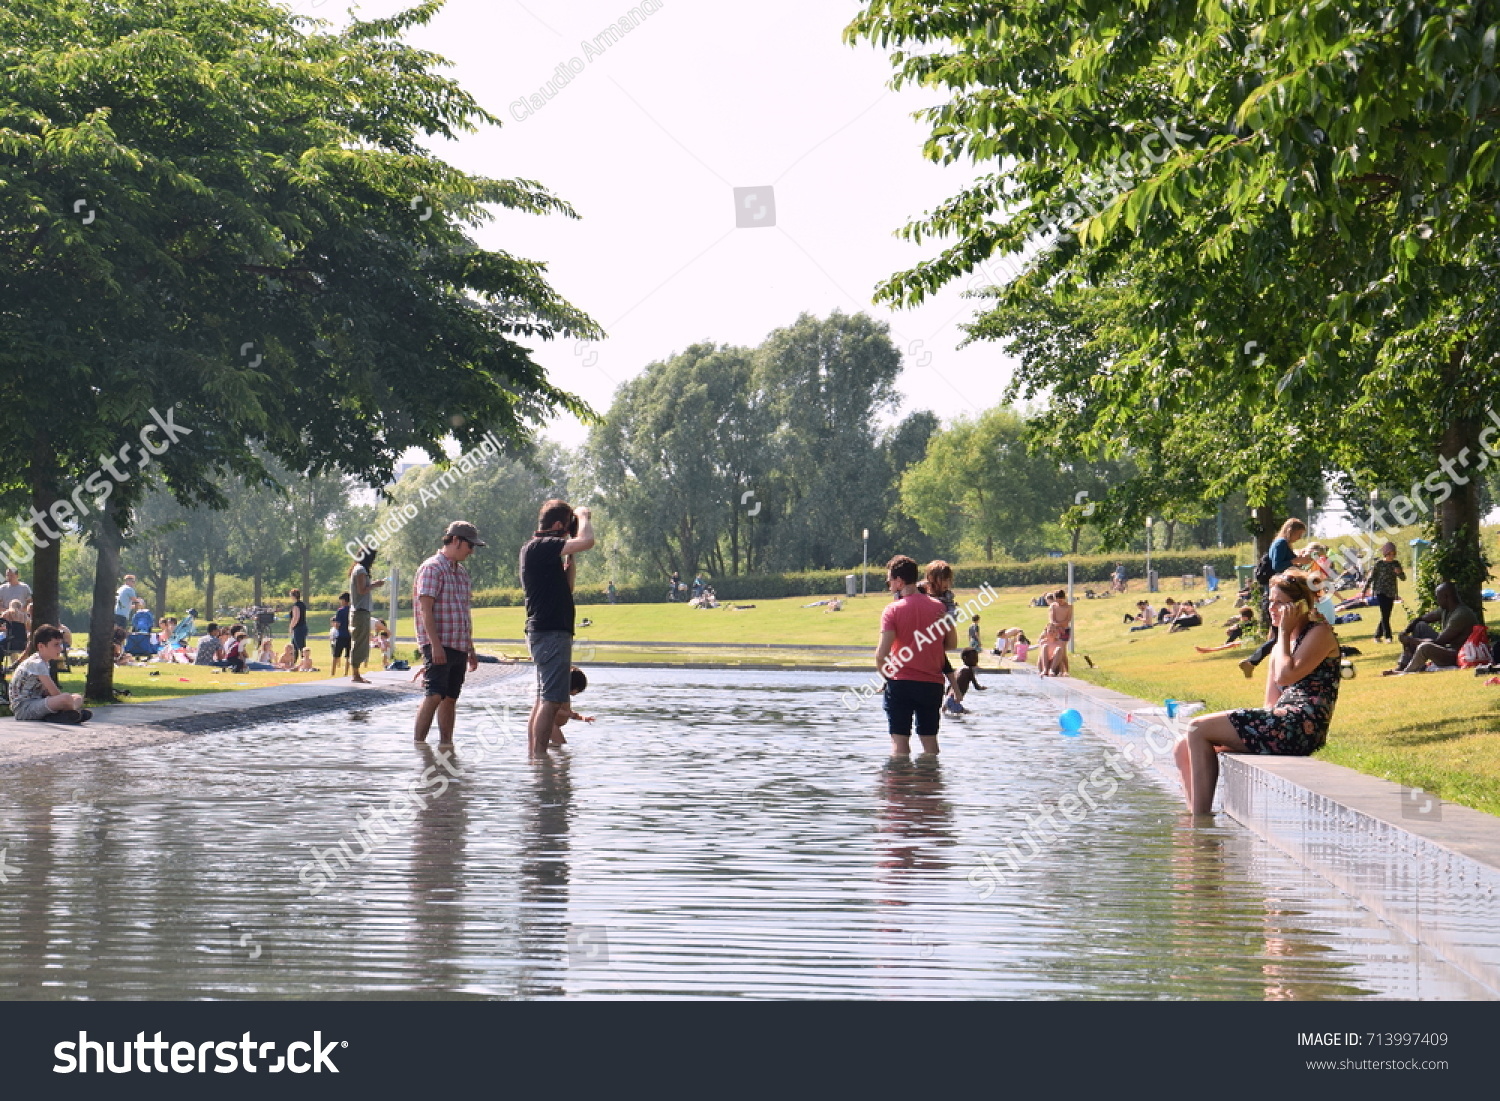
[(299, 638), (447, 679), (913, 699), (341, 646)]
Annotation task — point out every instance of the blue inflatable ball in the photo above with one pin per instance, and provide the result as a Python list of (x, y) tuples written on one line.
[(1071, 722)]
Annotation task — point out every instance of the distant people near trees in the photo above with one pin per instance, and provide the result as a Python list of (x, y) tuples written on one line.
[(1422, 643), (1301, 692), (362, 608), (1187, 616), (1283, 558), (15, 589), (297, 625), (674, 584), (34, 695), (123, 598), (1059, 633), (1117, 583), (1382, 585), (343, 640), (611, 592), (910, 660), (1235, 628), (698, 585), (15, 628), (1144, 618)]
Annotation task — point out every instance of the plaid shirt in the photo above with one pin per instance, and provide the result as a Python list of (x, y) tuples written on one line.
[(447, 582)]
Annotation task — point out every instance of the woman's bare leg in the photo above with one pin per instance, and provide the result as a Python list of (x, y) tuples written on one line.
[(1204, 735)]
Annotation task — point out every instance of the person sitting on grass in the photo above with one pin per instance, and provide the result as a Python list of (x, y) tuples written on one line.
[(1300, 695), (34, 696), (1187, 616), (234, 651), (577, 682), (1144, 618), (1236, 626), (208, 646), (288, 659), (265, 659), (1421, 644), (383, 644), (305, 665)]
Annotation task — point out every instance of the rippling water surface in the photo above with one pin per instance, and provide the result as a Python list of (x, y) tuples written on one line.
[(719, 834)]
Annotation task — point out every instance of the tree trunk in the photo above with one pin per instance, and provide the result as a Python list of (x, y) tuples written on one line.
[(1458, 517), (1263, 523), (1077, 533), (161, 587), (1171, 533), (101, 672), (209, 611), (306, 571), (45, 565), (989, 548), (256, 598)]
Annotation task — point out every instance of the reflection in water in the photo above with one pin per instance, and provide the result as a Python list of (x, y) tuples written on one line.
[(722, 834), (438, 868)]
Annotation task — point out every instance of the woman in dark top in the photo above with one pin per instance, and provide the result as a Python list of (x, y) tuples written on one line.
[(1282, 559), (1382, 585), (299, 621), (1300, 694)]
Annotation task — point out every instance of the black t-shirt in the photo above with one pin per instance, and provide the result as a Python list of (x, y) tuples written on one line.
[(549, 601), (302, 620), (341, 621)]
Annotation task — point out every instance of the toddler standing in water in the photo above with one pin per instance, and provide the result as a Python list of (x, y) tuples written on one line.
[(577, 682)]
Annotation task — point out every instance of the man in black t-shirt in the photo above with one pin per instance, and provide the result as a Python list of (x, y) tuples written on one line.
[(547, 575)]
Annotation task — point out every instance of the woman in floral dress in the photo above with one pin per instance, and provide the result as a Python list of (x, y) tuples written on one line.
[(1300, 694)]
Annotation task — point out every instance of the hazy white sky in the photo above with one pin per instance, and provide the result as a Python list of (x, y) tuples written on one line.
[(649, 141)]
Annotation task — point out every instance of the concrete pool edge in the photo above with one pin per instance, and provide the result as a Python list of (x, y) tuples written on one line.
[(1430, 869), (128, 725)]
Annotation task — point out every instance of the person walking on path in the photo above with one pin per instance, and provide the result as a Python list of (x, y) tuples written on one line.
[(123, 597), (910, 658), (1283, 558), (1300, 695), (548, 571), (1382, 585), (442, 595), (298, 625), (363, 590)]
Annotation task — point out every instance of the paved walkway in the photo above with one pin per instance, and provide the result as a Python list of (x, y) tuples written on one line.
[(124, 725)]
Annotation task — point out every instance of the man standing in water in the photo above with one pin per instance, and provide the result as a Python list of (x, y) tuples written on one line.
[(547, 575), (915, 630), (441, 595)]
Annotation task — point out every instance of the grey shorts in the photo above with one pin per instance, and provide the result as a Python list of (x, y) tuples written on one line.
[(552, 651), (30, 711)]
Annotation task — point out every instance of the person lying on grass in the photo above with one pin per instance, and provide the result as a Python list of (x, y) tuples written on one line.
[(34, 696), (1235, 626)]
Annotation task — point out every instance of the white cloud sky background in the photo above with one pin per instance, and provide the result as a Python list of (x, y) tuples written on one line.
[(647, 144)]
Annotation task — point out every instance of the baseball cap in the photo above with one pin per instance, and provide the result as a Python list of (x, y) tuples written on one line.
[(462, 529)]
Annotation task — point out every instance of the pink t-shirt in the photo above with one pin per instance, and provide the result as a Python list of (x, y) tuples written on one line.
[(911, 619)]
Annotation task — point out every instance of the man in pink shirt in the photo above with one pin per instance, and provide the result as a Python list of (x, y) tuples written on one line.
[(915, 630)]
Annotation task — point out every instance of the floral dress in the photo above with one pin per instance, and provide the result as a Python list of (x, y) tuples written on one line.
[(1298, 725)]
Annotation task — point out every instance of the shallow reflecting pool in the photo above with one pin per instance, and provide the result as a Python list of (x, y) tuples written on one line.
[(714, 834)]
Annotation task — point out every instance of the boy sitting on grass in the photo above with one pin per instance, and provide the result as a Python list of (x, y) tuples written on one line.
[(34, 695), (577, 682)]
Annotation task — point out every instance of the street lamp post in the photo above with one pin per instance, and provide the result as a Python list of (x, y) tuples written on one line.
[(1149, 587), (864, 580)]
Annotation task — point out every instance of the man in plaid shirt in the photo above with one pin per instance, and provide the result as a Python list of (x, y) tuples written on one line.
[(441, 596)]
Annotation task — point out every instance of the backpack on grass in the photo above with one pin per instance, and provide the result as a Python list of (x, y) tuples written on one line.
[(1476, 651)]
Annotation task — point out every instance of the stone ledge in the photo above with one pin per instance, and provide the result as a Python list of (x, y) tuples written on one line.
[(1429, 868)]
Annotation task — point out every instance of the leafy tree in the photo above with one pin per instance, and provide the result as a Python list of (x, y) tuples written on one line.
[(1318, 189), (210, 208)]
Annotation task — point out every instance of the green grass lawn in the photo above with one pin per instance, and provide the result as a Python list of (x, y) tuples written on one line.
[(1440, 732)]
